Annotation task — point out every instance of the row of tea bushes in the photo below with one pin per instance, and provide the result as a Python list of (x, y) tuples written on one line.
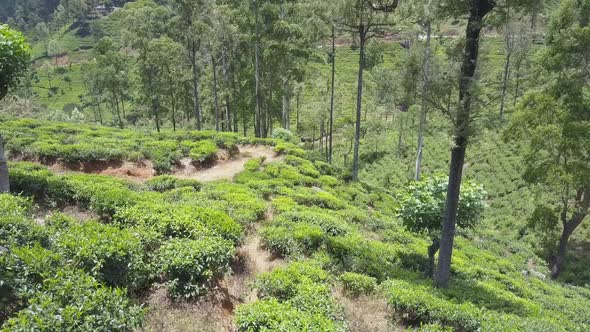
[(355, 227), (292, 298), (47, 141), (45, 286)]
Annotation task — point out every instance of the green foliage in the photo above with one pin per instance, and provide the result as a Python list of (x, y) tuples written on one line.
[(188, 266), (203, 151), (355, 284), (71, 300), (179, 221), (293, 298), (14, 58), (76, 143), (284, 134), (167, 182), (422, 207), (16, 226), (111, 255)]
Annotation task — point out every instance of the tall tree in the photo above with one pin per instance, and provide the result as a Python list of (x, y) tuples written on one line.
[(477, 9), (191, 20), (364, 19), (463, 118), (112, 76), (554, 118), (14, 60)]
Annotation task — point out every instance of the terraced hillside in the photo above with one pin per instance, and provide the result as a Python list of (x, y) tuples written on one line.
[(287, 245)]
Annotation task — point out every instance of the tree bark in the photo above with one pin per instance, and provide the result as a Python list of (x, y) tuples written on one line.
[(332, 83), (479, 9), (286, 106), (258, 113), (423, 109), (4, 178), (197, 102), (569, 226), (506, 75), (359, 100), (505, 84), (215, 96), (432, 250)]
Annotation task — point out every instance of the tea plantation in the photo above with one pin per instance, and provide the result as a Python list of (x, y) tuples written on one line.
[(62, 272)]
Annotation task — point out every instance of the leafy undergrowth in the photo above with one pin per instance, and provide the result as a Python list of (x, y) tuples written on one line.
[(182, 235), (75, 144)]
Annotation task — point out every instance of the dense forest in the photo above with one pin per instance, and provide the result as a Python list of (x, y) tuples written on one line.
[(294, 165)]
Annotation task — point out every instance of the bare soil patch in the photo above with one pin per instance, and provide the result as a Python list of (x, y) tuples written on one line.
[(367, 313), (226, 168)]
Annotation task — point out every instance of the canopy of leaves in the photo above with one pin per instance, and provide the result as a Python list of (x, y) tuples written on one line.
[(422, 206), (14, 58)]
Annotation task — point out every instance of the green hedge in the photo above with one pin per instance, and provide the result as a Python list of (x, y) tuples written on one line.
[(188, 266), (73, 301)]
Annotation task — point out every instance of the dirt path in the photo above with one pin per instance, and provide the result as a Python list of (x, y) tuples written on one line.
[(227, 169)]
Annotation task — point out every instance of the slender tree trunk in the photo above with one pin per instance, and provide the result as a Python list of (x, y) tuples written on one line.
[(4, 178), (332, 85), (505, 78), (197, 102), (506, 75), (99, 111), (258, 114), (215, 96), (286, 106), (479, 9), (298, 107), (359, 101), (432, 250), (116, 104), (423, 109), (173, 113), (226, 85), (123, 107)]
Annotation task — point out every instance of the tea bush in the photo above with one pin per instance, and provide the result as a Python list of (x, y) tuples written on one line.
[(167, 182), (111, 255), (179, 220), (188, 266), (272, 315), (73, 143), (16, 225), (203, 151), (293, 298), (355, 284), (73, 301)]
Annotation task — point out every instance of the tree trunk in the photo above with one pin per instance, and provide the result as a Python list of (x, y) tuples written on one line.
[(432, 250), (559, 259), (569, 226), (258, 113), (285, 121), (332, 83), (173, 113), (423, 109), (479, 9), (99, 111), (505, 84), (359, 100), (197, 102), (506, 75), (215, 96), (4, 178)]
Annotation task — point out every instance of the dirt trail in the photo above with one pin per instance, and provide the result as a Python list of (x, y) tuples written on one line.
[(227, 169)]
